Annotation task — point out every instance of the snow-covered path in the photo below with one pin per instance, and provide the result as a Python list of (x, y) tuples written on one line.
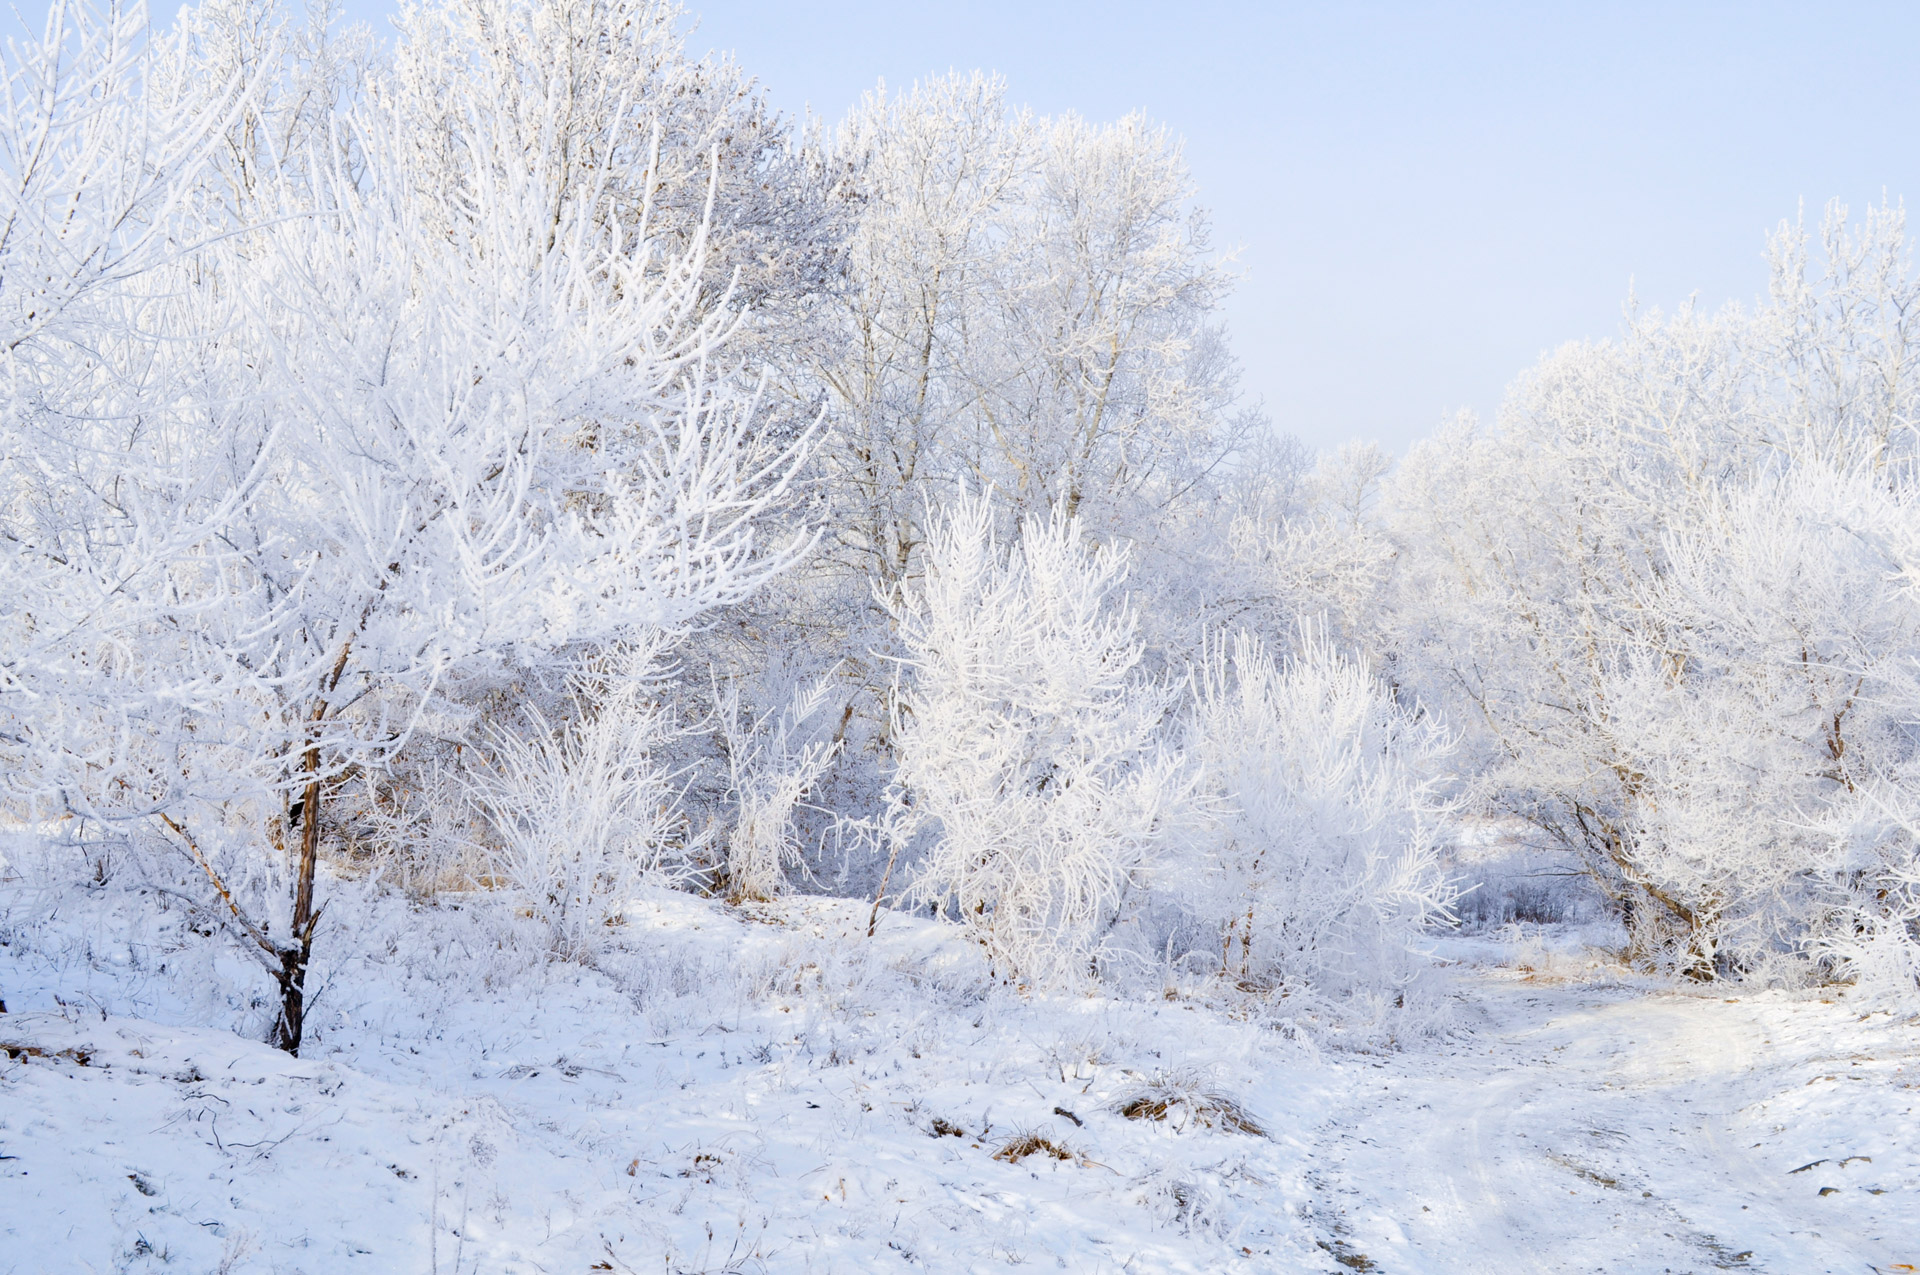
[(1601, 1128)]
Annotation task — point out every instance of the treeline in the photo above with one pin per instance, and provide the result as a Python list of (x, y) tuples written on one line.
[(520, 461)]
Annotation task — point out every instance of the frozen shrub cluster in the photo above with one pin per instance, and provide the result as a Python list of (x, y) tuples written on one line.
[(772, 767), (582, 812), (1322, 869), (1030, 742)]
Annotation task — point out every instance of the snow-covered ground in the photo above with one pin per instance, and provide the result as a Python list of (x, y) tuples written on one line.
[(766, 1090), (735, 1090), (1586, 1121)]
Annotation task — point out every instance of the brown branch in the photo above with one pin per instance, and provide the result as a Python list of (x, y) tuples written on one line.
[(193, 848)]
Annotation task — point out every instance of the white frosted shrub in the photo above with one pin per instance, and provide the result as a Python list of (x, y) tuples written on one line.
[(582, 812), (772, 771), (1322, 872), (1870, 933), (1028, 738)]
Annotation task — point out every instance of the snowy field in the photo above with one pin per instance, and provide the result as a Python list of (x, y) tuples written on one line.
[(765, 1090)]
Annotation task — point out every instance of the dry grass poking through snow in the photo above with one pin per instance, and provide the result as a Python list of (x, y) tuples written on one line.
[(1185, 1100), (1023, 1145)]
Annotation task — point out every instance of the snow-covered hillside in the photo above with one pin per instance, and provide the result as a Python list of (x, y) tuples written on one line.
[(762, 1089), (735, 1089)]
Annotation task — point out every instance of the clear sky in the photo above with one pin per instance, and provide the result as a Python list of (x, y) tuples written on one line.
[(1424, 197)]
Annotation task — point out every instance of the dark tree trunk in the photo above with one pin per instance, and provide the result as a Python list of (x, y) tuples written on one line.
[(292, 978), (294, 958)]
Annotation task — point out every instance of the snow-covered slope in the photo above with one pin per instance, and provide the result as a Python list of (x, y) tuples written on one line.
[(767, 1090), (736, 1091)]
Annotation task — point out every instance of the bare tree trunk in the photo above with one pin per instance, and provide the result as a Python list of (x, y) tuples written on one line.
[(873, 917), (294, 958), (292, 975)]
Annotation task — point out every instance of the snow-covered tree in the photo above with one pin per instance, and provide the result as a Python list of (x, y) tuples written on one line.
[(1029, 308), (444, 424), (1320, 559), (1661, 596), (933, 170), (628, 122), (103, 149)]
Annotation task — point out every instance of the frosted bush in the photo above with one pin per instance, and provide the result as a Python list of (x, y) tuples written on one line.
[(772, 770), (1870, 935), (1029, 742), (1323, 871), (582, 812)]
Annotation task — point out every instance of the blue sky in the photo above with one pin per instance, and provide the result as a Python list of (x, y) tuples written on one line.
[(1427, 197), (1424, 197)]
